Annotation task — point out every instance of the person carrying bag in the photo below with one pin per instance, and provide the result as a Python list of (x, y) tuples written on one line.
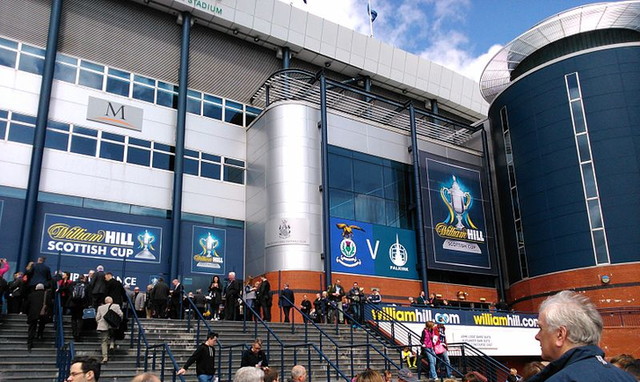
[(106, 325)]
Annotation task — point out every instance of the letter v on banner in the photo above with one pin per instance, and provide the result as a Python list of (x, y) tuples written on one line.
[(373, 252)]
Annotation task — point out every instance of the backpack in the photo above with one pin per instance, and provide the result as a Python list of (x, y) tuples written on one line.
[(79, 291)]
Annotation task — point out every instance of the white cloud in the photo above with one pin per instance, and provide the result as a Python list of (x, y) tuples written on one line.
[(428, 28)]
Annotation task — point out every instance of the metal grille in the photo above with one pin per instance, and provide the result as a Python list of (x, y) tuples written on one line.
[(25, 20), (122, 34), (227, 66), (303, 86)]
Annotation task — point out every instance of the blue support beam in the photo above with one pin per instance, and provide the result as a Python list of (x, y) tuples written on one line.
[(35, 167), (176, 209)]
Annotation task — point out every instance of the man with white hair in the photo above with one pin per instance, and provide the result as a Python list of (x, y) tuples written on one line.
[(298, 374), (107, 341), (231, 294), (570, 329), (249, 374)]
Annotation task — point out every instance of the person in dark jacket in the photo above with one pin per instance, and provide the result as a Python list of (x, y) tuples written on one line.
[(114, 289), (305, 306), (17, 292), (231, 295), (98, 287), (264, 298), (176, 299), (286, 301), (76, 305), (200, 301), (215, 295), (39, 273), (255, 356), (570, 329), (159, 297), (204, 357), (38, 308)]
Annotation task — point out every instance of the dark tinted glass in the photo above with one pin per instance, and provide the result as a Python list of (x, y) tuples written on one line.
[(167, 99), (139, 142), (368, 179), (234, 162), (83, 145), (112, 137), (56, 140), (113, 151), (193, 105), (90, 79), (163, 161), (213, 158), (21, 133), (212, 111), (190, 166), (3, 129), (118, 86), (340, 172), (210, 170), (143, 93), (31, 64), (233, 175), (138, 156), (8, 58), (65, 73), (341, 204), (233, 116)]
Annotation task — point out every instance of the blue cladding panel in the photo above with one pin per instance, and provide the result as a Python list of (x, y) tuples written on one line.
[(554, 215)]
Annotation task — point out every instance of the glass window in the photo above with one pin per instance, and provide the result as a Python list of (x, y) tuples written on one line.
[(112, 151), (602, 257), (56, 140), (167, 99), (341, 204), (24, 118), (83, 145), (251, 114), (4, 114), (163, 147), (144, 80), (92, 66), (583, 147), (190, 166), (191, 153), (368, 178), (21, 133), (119, 73), (578, 120), (233, 116), (8, 57), (212, 158), (31, 64), (64, 72), (594, 213), (210, 170), (33, 50), (163, 161), (3, 129), (370, 209), (392, 214), (212, 107), (340, 172), (234, 162), (194, 105), (139, 156), (90, 79), (144, 93), (572, 86), (589, 181), (8, 43), (112, 137), (85, 131), (233, 174), (139, 142), (118, 86)]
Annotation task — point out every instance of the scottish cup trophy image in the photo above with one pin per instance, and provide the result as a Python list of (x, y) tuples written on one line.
[(457, 201), (145, 243), (208, 245)]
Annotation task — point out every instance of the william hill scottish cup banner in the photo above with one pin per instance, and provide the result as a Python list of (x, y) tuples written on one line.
[(208, 250), (100, 239), (368, 249), (455, 218)]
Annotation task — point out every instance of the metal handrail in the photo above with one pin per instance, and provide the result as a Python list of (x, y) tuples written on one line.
[(351, 346), (64, 351), (142, 338)]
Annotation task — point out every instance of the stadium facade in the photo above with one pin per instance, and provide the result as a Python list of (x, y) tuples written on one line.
[(189, 138)]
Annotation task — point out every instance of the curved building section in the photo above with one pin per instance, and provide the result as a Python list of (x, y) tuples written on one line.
[(564, 117)]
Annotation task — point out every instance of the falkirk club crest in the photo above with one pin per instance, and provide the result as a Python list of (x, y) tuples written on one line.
[(348, 246)]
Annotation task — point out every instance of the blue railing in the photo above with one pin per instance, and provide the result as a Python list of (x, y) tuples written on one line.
[(64, 351), (137, 333), (351, 346)]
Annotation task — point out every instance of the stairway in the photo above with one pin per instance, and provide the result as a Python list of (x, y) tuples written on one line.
[(16, 364)]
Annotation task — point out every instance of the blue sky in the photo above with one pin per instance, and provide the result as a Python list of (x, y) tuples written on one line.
[(462, 35)]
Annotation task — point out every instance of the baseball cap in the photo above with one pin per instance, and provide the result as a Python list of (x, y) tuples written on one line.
[(407, 375)]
